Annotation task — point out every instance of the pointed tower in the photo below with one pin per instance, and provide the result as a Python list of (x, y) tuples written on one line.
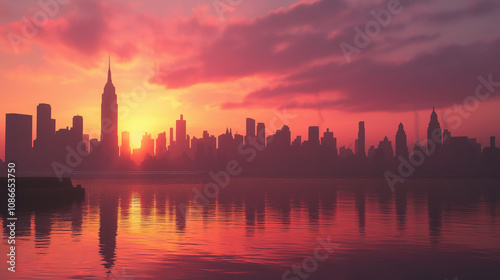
[(434, 133), (401, 142), (109, 120)]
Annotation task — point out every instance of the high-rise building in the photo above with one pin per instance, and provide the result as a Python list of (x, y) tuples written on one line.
[(109, 121), (361, 140), (171, 142), (401, 143), (45, 126), (385, 147), (313, 136), (205, 146), (86, 140), (328, 140), (180, 135), (281, 139), (77, 129), (147, 145), (250, 130), (434, 133), (161, 143), (261, 133), (18, 138), (125, 147)]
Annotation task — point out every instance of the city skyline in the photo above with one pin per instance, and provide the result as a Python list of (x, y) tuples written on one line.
[(51, 146), (109, 119)]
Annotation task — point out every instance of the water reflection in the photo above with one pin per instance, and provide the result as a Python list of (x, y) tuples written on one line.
[(359, 198), (260, 221), (108, 225), (434, 207), (76, 218), (401, 205)]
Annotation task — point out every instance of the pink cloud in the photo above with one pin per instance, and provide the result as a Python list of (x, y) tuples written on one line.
[(443, 77)]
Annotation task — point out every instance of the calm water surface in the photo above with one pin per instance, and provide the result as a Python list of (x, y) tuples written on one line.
[(259, 228)]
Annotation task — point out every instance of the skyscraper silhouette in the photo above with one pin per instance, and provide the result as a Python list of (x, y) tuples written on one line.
[(313, 136), (161, 143), (261, 133), (18, 141), (385, 148), (401, 142), (329, 140), (434, 132), (77, 129), (171, 142), (125, 147), (148, 144), (109, 121), (250, 130), (361, 140), (180, 135), (45, 126)]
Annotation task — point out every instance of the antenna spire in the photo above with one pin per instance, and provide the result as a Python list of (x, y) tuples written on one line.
[(109, 68)]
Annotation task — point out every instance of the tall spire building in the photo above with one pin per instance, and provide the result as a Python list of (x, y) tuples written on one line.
[(434, 132), (401, 142), (109, 120)]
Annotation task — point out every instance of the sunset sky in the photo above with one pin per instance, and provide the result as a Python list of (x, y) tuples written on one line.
[(218, 62)]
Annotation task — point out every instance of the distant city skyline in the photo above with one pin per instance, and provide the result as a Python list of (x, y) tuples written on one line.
[(65, 150), (110, 147)]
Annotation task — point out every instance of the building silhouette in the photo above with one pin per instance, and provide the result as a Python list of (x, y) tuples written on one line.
[(261, 133), (45, 127), (125, 147), (181, 142), (313, 136), (277, 155), (434, 133), (18, 139), (147, 145), (297, 142), (86, 140), (161, 144), (328, 140), (108, 147), (250, 130), (401, 143), (491, 158), (360, 151), (205, 146), (77, 130), (385, 149), (280, 140), (171, 143)]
